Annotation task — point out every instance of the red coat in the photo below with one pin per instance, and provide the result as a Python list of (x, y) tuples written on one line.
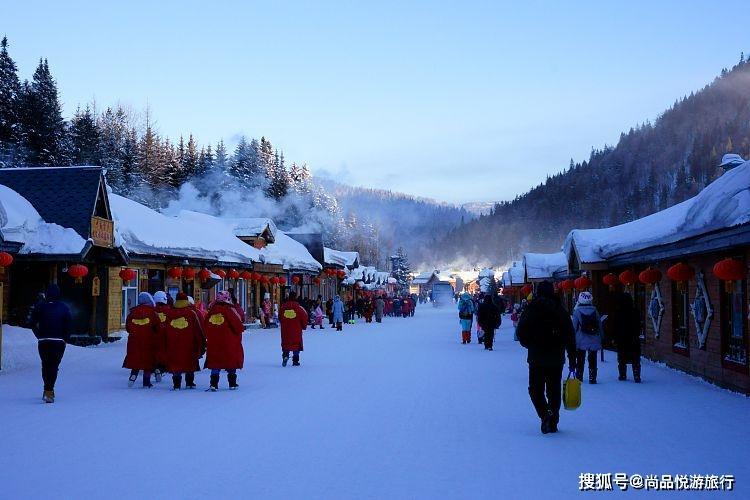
[(223, 328), (293, 320), (406, 306), (238, 308), (161, 351), (144, 332), (185, 341)]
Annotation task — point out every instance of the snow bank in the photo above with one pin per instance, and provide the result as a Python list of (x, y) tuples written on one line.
[(544, 265), (191, 235), (19, 349), (21, 223), (722, 204)]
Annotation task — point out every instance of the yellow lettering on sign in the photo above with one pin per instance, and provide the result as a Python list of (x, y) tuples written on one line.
[(141, 322), (162, 317), (179, 323), (216, 319), (290, 314)]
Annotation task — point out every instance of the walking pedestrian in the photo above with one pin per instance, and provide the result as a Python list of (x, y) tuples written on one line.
[(293, 321), (489, 319), (466, 316), (546, 331), (337, 312), (144, 334), (379, 309), (51, 322), (185, 341), (588, 329), (223, 328), (626, 329)]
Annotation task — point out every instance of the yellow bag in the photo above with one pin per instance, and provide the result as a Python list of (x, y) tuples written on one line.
[(571, 393)]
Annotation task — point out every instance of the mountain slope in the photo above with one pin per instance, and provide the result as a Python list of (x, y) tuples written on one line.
[(652, 167)]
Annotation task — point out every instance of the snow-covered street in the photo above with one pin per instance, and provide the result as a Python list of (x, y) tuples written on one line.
[(399, 410)]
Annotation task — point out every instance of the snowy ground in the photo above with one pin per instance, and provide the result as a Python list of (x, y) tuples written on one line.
[(399, 410)]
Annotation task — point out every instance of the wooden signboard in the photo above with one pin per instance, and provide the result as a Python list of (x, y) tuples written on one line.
[(95, 286), (102, 232)]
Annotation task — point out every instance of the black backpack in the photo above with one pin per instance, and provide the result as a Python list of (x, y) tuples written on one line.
[(589, 323)]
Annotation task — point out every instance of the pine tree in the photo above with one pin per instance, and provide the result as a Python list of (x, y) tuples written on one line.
[(149, 156), (221, 161), (278, 182), (10, 112), (401, 270), (190, 160), (112, 136), (85, 138), (43, 127)]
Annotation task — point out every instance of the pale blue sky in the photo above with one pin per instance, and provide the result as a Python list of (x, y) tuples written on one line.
[(459, 101)]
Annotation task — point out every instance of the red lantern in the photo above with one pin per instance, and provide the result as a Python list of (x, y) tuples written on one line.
[(295, 280), (246, 275), (316, 281), (627, 277), (220, 273), (582, 283), (650, 277), (204, 274), (567, 285), (6, 259), (264, 280), (174, 272), (189, 273), (233, 274), (729, 271), (527, 289), (256, 277), (610, 280), (341, 274), (128, 274), (78, 271), (681, 273)]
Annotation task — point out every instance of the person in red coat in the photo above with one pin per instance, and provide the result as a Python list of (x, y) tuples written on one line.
[(223, 327), (144, 330), (293, 320), (185, 342), (162, 307), (368, 310), (406, 307)]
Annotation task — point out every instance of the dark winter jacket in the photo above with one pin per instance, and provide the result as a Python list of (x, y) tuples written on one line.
[(51, 319), (626, 328), (488, 315), (546, 331)]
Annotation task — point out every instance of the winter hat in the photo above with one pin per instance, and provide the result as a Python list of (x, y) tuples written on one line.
[(182, 296), (191, 300), (160, 297), (145, 299), (224, 296), (585, 299), (267, 295)]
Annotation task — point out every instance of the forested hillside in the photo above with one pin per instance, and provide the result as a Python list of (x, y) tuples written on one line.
[(653, 166)]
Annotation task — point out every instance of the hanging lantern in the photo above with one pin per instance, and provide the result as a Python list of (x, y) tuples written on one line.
[(264, 280), (527, 289), (627, 277), (220, 273), (650, 277), (681, 273), (6, 260), (582, 283), (316, 281), (295, 280), (255, 276), (204, 274), (567, 285), (341, 274), (189, 273), (610, 279), (128, 274), (233, 274), (174, 272), (246, 275), (78, 271), (729, 270)]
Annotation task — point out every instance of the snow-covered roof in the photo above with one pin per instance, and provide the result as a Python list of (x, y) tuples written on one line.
[(424, 278), (544, 265), (340, 258), (731, 160), (190, 235), (722, 204), (516, 273), (251, 226), (21, 223), (290, 253)]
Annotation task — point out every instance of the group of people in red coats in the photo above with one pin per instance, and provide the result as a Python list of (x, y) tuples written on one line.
[(173, 338)]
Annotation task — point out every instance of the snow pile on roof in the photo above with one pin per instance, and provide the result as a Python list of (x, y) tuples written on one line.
[(722, 204), (516, 273), (289, 253), (381, 277), (251, 226), (486, 277), (731, 160), (544, 265), (21, 223), (339, 258), (423, 278), (191, 235)]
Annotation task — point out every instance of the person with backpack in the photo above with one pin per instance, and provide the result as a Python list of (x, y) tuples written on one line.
[(51, 323), (466, 316), (546, 331), (489, 319), (588, 328), (626, 330)]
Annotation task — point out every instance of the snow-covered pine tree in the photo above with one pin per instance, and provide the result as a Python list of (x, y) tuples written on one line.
[(220, 160), (149, 156), (189, 162), (85, 138), (278, 182), (43, 127), (10, 112), (401, 270)]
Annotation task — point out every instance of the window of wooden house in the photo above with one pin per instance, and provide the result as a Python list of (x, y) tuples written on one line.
[(129, 297), (680, 320), (734, 324)]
